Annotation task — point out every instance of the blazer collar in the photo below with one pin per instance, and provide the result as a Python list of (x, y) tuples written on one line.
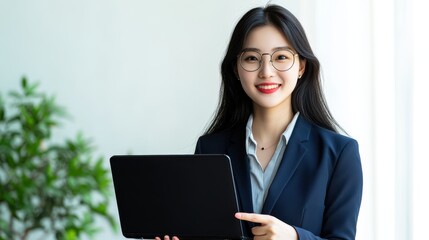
[(292, 157)]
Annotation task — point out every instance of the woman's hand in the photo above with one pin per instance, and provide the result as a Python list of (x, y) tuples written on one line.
[(167, 238), (270, 228)]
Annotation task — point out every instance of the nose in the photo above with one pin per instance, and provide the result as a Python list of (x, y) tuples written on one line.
[(267, 69)]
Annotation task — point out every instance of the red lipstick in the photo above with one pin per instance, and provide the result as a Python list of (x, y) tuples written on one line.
[(268, 88)]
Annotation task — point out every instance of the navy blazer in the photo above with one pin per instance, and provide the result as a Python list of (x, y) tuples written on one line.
[(317, 188)]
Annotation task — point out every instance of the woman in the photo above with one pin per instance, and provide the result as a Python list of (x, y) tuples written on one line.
[(296, 176)]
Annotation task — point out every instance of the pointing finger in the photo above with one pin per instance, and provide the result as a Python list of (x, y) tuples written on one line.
[(253, 217)]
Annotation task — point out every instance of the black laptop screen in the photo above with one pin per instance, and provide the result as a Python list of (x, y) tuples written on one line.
[(190, 196)]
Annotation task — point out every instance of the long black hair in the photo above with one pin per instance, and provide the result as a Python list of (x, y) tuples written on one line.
[(235, 106)]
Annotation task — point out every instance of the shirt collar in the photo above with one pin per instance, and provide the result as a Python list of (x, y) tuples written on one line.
[(286, 134)]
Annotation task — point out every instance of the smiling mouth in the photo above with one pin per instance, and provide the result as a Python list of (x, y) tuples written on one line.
[(268, 86)]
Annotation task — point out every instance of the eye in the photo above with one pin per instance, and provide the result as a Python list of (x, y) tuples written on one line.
[(251, 57), (282, 57)]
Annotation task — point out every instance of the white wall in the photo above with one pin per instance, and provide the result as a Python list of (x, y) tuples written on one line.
[(138, 76), (142, 77)]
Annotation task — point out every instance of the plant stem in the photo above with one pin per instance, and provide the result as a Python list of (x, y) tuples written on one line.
[(24, 236), (11, 223)]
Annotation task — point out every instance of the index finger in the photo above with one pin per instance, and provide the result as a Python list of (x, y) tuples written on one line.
[(253, 217)]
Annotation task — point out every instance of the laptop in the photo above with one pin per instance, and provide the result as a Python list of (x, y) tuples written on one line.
[(189, 196)]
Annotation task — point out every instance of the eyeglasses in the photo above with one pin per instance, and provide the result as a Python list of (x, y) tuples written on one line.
[(282, 60)]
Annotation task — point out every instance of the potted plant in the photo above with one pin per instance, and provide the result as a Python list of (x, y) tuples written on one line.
[(48, 188)]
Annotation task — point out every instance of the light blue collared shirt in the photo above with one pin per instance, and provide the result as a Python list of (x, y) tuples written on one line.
[(260, 179)]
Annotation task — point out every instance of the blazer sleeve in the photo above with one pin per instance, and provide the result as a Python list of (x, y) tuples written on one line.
[(343, 197)]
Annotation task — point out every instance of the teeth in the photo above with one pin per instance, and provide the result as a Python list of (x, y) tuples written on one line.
[(268, 86)]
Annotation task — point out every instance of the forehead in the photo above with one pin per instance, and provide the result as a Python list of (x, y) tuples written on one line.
[(266, 38)]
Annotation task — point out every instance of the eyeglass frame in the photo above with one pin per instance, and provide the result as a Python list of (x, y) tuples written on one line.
[(271, 58)]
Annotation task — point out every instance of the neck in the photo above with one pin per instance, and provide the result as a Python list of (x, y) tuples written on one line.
[(269, 124)]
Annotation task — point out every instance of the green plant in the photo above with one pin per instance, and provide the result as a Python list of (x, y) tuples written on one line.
[(45, 187)]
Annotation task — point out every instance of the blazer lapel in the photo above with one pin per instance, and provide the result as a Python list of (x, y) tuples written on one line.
[(292, 157), (240, 166)]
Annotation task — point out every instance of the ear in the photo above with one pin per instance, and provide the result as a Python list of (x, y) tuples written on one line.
[(302, 63)]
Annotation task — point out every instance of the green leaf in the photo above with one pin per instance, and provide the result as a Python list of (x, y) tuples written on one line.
[(30, 89), (23, 82), (15, 95), (71, 234)]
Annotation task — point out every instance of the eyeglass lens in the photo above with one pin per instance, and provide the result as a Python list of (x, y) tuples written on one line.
[(282, 60)]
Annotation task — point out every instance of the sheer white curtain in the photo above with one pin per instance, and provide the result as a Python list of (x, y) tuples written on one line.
[(374, 56), (420, 118), (400, 39)]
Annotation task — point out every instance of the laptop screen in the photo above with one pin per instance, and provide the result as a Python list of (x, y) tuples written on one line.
[(189, 196)]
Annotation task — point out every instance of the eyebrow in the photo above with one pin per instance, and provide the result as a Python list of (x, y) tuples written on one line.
[(274, 49)]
